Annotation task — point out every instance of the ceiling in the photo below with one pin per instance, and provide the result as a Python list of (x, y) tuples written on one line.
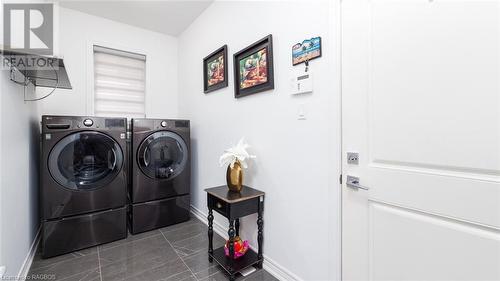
[(168, 17)]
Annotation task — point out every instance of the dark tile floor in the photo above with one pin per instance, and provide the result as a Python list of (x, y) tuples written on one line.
[(173, 253)]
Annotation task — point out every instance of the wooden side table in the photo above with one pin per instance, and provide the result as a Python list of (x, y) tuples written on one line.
[(233, 206)]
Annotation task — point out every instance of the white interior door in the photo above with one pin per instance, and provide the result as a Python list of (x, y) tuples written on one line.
[(421, 106)]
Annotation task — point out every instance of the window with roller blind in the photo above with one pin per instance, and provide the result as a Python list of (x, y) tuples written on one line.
[(119, 83)]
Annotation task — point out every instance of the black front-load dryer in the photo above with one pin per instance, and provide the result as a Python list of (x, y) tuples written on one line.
[(160, 173), (83, 182)]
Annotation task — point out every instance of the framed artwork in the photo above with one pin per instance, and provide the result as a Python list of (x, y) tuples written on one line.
[(215, 70), (253, 68), (308, 50)]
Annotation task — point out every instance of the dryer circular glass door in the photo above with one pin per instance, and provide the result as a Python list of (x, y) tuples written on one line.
[(85, 160), (162, 155)]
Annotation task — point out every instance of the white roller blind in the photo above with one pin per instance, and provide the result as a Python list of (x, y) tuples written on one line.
[(119, 83)]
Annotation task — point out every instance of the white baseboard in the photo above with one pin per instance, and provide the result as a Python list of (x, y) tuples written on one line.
[(279, 271), (271, 266), (25, 268)]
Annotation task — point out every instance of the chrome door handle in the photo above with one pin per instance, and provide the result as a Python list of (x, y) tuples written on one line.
[(353, 182)]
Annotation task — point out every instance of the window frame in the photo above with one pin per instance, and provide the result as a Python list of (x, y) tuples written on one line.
[(90, 74)]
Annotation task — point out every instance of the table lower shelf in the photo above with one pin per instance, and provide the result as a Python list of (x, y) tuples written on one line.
[(232, 266)]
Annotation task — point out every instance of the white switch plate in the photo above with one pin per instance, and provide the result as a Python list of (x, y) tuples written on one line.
[(302, 83)]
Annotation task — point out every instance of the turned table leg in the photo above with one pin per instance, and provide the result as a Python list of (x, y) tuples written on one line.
[(260, 231), (210, 235), (237, 226), (231, 233)]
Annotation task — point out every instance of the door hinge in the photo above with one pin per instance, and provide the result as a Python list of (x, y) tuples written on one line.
[(340, 178)]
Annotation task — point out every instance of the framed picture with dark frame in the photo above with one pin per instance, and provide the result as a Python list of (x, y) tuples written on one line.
[(215, 70), (253, 68)]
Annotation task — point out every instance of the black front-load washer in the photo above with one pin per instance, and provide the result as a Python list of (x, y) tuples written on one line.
[(83, 182), (160, 173)]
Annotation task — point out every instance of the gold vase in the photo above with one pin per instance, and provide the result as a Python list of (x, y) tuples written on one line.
[(234, 177)]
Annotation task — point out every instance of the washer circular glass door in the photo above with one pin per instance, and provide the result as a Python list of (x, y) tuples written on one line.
[(162, 155), (85, 160)]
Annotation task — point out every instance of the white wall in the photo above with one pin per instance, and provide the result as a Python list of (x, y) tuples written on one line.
[(19, 150), (19, 130), (298, 160), (76, 34)]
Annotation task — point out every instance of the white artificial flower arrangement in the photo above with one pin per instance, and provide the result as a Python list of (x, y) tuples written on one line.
[(236, 153)]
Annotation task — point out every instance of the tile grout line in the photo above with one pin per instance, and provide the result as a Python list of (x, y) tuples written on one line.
[(196, 278), (99, 261)]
